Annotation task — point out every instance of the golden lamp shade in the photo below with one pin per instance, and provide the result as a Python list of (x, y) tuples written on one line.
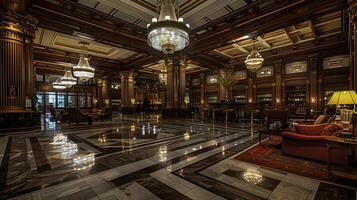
[(343, 98)]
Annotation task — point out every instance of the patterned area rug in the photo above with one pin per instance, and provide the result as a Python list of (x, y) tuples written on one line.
[(268, 154)]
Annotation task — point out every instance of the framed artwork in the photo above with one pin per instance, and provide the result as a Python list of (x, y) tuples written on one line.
[(265, 72), (296, 67), (336, 62)]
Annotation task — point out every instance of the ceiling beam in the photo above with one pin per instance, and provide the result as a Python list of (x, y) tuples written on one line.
[(207, 61), (312, 28), (59, 57), (223, 53), (78, 18), (263, 42), (240, 48), (288, 36)]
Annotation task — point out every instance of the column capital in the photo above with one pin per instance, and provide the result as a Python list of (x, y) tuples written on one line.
[(13, 21), (352, 4), (127, 74)]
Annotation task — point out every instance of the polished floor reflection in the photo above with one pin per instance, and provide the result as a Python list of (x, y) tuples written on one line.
[(137, 157)]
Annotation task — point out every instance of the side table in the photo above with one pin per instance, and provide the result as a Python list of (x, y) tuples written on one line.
[(336, 142)]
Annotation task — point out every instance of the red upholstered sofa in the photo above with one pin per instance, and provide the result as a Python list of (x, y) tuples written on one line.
[(308, 142)]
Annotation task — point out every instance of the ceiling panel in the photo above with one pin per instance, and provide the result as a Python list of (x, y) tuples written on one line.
[(70, 43), (142, 11), (89, 3), (104, 8)]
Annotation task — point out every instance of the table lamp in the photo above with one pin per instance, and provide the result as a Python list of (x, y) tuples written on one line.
[(348, 97)]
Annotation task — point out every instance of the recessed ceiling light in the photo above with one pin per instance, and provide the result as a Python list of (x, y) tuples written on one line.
[(243, 37)]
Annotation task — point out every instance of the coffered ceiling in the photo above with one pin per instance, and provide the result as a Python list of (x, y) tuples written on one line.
[(116, 30), (140, 12), (314, 29), (70, 43)]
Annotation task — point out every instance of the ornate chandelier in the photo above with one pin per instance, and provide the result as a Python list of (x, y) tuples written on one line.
[(168, 34), (83, 70), (254, 60), (58, 85), (68, 79)]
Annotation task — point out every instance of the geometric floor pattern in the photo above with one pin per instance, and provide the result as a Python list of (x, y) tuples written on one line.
[(147, 158)]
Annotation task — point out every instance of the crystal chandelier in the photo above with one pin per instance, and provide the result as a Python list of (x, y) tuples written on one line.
[(68, 79), (83, 70), (58, 85), (168, 34), (254, 60)]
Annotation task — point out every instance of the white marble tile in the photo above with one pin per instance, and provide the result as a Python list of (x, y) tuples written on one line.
[(199, 194), (295, 187), (137, 192)]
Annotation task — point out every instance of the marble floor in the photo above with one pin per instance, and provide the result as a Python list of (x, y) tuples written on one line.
[(137, 157)]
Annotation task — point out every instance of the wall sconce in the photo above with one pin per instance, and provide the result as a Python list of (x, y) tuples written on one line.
[(107, 101), (277, 100), (132, 100), (250, 100), (313, 100)]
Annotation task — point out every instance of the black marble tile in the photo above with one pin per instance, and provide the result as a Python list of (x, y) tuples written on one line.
[(334, 192), (161, 190), (267, 182), (41, 160), (191, 174), (5, 164)]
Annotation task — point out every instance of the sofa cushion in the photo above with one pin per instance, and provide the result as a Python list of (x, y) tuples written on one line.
[(331, 119), (331, 129), (310, 129), (321, 119)]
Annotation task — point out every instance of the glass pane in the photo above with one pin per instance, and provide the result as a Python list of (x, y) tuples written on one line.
[(89, 101), (39, 77), (40, 102), (61, 101), (50, 101), (72, 101), (82, 101)]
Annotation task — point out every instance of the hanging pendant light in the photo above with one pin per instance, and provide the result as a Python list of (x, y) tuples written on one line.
[(68, 79), (58, 85), (254, 60), (168, 34), (163, 77), (83, 70)]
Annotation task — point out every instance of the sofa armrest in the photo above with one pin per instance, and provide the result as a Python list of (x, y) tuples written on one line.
[(310, 129), (295, 136)]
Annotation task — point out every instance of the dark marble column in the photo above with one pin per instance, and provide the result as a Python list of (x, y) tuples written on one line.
[(278, 84), (17, 82), (353, 20), (127, 88), (176, 83), (251, 87), (312, 64), (203, 81)]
